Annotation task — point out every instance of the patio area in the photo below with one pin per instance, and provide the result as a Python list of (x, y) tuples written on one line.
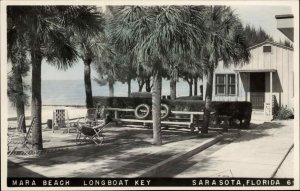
[(126, 151)]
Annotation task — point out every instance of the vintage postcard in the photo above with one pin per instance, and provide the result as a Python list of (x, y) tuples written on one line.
[(148, 95)]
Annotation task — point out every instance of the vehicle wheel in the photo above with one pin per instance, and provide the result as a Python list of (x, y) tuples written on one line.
[(142, 111), (165, 111)]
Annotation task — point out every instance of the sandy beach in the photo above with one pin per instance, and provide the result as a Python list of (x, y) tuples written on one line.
[(47, 113)]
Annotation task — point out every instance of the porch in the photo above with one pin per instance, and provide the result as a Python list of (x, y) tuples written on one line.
[(259, 86)]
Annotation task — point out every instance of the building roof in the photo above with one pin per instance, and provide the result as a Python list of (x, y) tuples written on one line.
[(285, 24), (255, 70), (273, 43)]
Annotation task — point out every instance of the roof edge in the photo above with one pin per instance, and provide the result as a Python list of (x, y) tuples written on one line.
[(270, 42), (287, 16)]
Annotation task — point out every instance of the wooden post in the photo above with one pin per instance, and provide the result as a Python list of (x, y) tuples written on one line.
[(226, 123), (271, 92), (53, 119), (116, 114), (236, 86), (192, 123), (247, 89)]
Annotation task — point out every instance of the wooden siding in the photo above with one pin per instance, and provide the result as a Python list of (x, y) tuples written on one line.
[(279, 59)]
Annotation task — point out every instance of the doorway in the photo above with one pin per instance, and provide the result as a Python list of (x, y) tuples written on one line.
[(257, 90)]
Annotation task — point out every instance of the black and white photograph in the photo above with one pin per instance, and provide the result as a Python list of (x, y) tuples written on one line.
[(149, 95)]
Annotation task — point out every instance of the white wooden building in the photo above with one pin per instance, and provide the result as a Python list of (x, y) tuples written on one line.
[(267, 78)]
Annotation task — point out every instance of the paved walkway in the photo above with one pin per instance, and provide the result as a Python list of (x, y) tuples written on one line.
[(256, 153), (125, 153)]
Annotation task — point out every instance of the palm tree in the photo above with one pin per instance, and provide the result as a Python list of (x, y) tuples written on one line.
[(19, 68), (226, 41), (173, 75), (126, 71), (154, 35), (46, 29), (173, 35), (190, 73), (90, 47), (188, 66), (107, 65), (195, 85), (144, 79)]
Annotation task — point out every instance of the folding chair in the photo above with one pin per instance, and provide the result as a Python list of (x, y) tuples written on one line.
[(93, 133), (60, 120), (18, 130), (21, 141)]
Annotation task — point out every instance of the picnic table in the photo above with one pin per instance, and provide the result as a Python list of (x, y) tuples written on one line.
[(192, 121)]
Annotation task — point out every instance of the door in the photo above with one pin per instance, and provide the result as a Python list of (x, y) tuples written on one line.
[(257, 90)]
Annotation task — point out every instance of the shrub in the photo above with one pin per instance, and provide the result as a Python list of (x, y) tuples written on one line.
[(141, 94), (121, 102), (284, 113), (190, 98), (240, 111)]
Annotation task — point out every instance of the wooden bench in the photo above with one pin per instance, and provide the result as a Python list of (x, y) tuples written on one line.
[(226, 119), (226, 123)]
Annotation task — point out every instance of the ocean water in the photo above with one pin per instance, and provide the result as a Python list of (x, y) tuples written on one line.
[(72, 92)]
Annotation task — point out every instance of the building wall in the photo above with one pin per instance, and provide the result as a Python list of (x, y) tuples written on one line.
[(280, 59)]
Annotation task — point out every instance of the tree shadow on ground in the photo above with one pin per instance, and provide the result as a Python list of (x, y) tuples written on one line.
[(120, 142), (128, 144), (21, 172), (264, 130)]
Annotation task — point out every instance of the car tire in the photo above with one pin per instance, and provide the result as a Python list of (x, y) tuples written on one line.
[(167, 113), (145, 113)]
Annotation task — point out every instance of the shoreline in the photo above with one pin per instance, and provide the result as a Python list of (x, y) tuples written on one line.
[(58, 105), (73, 111)]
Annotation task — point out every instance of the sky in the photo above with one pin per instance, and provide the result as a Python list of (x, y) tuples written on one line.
[(258, 16)]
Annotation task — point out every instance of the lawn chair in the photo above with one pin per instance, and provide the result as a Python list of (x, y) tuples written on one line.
[(20, 141), (61, 120), (93, 133), (91, 116)]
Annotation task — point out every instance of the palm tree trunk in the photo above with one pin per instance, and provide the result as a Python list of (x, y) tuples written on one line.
[(195, 86), (208, 99), (21, 111), (141, 83), (111, 89), (129, 87), (20, 108), (36, 102), (156, 101), (148, 84), (190, 82), (87, 83), (172, 89)]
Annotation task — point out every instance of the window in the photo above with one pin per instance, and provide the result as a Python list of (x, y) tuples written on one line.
[(267, 49), (231, 84), (220, 84), (225, 84)]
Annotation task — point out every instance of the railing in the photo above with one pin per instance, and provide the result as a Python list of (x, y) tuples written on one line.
[(193, 120), (257, 99)]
